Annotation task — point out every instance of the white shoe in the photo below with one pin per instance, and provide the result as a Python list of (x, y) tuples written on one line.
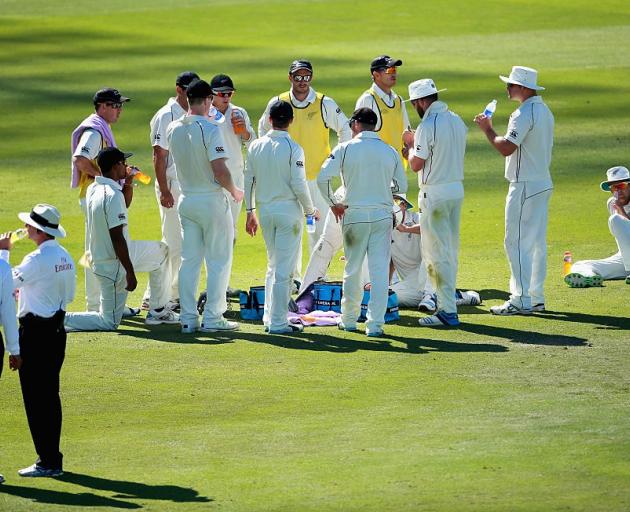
[(129, 311), (166, 316), (173, 305), (538, 307), (289, 329), (428, 303), (189, 329), (36, 470), (469, 298), (221, 325), (508, 309), (1, 479)]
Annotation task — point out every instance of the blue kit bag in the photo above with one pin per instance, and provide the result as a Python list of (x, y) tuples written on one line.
[(391, 313), (253, 303), (327, 296)]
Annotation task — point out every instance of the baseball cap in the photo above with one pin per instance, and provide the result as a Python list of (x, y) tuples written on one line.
[(108, 157), (281, 111), (221, 83), (184, 79), (364, 115), (198, 89), (296, 65), (384, 61), (109, 95)]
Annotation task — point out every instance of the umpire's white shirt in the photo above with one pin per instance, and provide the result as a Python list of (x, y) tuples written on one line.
[(106, 209), (7, 306), (159, 124), (195, 142), (531, 129), (46, 279), (370, 170), (440, 140), (275, 172)]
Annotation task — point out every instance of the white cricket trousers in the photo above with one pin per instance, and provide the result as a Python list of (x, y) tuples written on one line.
[(171, 235), (526, 210), (146, 256), (235, 206), (207, 234), (372, 237), (608, 268), (281, 224), (620, 229), (412, 289), (92, 285), (441, 207)]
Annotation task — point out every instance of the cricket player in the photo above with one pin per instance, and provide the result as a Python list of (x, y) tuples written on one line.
[(526, 147), (314, 116), (198, 149), (392, 120), (167, 189), (438, 157), (592, 272), (368, 168), (275, 183)]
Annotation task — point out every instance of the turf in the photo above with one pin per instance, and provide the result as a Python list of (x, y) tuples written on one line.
[(502, 414)]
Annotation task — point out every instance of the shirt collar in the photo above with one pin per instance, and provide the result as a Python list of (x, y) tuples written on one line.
[(277, 133), (436, 107), (173, 104), (48, 243), (533, 99), (382, 94), (368, 134), (310, 98), (107, 181)]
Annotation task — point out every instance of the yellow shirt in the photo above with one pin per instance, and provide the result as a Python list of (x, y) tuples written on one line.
[(310, 131), (391, 122)]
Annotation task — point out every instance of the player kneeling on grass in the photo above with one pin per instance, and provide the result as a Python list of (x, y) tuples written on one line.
[(113, 257), (592, 272), (275, 181)]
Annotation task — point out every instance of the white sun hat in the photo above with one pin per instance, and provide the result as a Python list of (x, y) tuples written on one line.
[(422, 88), (615, 174), (520, 75), (44, 217)]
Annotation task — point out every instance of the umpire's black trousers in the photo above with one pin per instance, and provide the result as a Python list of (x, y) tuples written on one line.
[(43, 348)]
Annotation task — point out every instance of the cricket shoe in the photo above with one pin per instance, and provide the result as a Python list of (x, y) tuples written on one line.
[(189, 329), (509, 309), (1, 479), (349, 328), (577, 280), (440, 319), (173, 305), (428, 304), (129, 311), (469, 298), (232, 293), (377, 333), (220, 325), (539, 307), (165, 316), (289, 329), (36, 471)]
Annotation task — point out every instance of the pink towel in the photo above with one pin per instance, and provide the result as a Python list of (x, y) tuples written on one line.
[(94, 122)]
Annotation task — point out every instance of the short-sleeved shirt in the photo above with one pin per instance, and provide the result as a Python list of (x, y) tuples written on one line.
[(194, 142), (46, 279), (234, 143), (106, 209), (7, 307), (159, 124), (531, 129), (406, 249), (440, 140)]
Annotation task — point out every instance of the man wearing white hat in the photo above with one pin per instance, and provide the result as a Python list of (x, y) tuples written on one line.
[(438, 156), (527, 147), (592, 272), (46, 280)]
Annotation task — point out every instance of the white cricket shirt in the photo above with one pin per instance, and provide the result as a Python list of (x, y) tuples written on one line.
[(159, 124), (531, 129), (7, 307), (234, 143), (406, 249), (194, 142), (275, 172)]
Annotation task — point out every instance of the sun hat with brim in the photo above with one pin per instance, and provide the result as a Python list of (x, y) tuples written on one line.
[(44, 217), (520, 75), (422, 88), (403, 198), (617, 174)]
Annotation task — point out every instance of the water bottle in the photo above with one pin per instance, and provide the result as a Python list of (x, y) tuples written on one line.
[(238, 123), (490, 108), (18, 234), (140, 176), (567, 261), (310, 224)]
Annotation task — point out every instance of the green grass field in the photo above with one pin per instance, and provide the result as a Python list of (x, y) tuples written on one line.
[(502, 414)]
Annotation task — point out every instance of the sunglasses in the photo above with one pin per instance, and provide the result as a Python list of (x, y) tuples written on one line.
[(223, 94), (302, 78), (619, 186), (116, 104), (388, 71)]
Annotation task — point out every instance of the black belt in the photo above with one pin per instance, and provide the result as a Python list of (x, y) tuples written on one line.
[(32, 319)]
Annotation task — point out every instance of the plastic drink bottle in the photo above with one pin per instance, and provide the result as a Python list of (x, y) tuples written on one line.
[(137, 174), (310, 224), (238, 122), (567, 261), (18, 234), (490, 108)]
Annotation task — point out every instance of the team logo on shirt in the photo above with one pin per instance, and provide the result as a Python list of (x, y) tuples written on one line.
[(219, 149), (331, 157), (121, 216), (311, 115), (85, 149), (338, 110), (514, 134), (299, 163), (157, 137), (418, 147)]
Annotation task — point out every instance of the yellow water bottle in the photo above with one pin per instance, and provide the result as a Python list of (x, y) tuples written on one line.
[(137, 174), (18, 234), (567, 261)]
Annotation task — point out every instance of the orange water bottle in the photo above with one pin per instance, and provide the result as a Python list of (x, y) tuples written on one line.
[(567, 261), (137, 174), (238, 122)]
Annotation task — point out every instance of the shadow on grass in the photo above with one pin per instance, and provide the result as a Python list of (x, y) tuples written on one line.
[(608, 322), (525, 337), (123, 489)]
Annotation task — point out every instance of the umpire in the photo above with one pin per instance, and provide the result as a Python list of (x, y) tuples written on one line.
[(46, 282)]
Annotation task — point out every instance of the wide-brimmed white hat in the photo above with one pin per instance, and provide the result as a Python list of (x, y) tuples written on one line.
[(520, 75), (615, 174), (422, 88), (44, 217)]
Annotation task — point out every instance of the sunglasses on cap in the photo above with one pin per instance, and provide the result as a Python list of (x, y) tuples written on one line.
[(223, 94), (619, 186), (302, 78), (114, 104)]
